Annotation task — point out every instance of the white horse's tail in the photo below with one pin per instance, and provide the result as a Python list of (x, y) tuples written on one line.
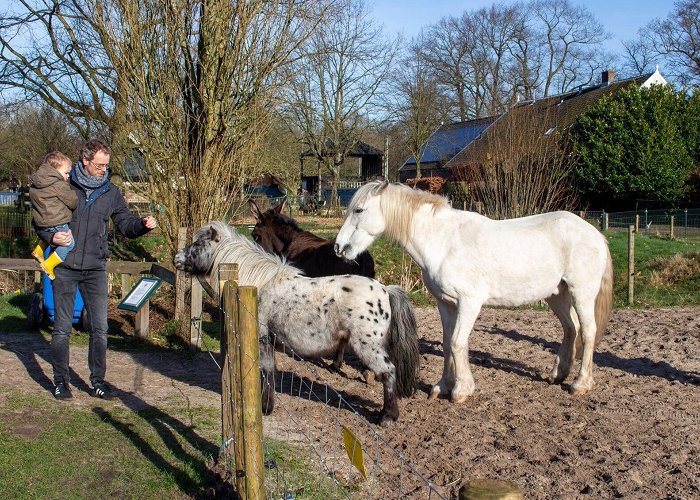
[(403, 341), (604, 299), (603, 306)]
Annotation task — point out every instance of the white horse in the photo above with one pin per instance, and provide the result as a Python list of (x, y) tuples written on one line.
[(469, 260), (316, 316)]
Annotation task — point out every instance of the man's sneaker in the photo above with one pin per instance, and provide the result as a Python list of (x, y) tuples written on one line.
[(102, 390), (61, 391)]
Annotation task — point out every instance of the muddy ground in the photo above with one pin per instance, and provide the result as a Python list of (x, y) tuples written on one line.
[(637, 435)]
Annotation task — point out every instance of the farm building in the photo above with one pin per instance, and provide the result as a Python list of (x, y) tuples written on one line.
[(363, 162), (457, 148)]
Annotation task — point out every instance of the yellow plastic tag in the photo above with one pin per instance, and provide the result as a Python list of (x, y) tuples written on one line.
[(354, 449)]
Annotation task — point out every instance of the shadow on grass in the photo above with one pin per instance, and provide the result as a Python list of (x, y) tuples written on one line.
[(171, 430)]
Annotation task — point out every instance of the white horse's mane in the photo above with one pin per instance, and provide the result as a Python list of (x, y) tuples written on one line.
[(398, 203), (255, 266)]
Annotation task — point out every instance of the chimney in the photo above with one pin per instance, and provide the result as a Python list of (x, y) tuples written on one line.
[(608, 77)]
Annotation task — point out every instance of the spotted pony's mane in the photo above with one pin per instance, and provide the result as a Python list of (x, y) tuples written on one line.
[(398, 203), (255, 266)]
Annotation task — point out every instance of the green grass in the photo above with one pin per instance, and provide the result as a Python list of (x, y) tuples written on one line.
[(13, 312), (661, 278), (298, 478), (54, 450), (51, 449)]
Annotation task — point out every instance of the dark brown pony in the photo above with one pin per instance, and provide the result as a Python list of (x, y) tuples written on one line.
[(281, 235)]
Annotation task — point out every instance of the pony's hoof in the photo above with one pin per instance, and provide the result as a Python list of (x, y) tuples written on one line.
[(386, 421), (578, 391), (436, 392), (368, 376)]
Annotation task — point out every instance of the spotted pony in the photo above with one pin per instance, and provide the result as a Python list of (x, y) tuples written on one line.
[(316, 316)]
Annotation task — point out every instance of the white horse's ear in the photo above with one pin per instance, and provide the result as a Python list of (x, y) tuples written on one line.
[(381, 187), (254, 209), (215, 235)]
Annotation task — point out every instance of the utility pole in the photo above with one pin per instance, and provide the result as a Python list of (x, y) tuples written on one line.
[(386, 158)]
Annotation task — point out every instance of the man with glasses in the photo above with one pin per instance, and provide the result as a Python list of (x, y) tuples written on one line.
[(85, 268)]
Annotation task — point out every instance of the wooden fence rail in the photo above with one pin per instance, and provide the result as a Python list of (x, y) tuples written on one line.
[(128, 270)]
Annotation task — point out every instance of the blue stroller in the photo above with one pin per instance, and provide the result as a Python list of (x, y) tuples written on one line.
[(42, 309)]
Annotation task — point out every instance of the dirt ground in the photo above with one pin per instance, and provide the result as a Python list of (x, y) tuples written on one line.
[(637, 435)]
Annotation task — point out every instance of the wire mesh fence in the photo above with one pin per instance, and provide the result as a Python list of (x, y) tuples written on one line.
[(677, 223), (673, 223), (319, 442)]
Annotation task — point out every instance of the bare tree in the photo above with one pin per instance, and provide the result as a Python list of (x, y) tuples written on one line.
[(341, 72), (639, 56), (677, 39), (418, 104), (571, 36), (523, 169), (498, 29), (190, 84), (445, 49), (51, 51), (488, 58), (201, 80), (27, 133)]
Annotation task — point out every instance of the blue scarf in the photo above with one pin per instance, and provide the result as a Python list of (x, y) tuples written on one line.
[(89, 183)]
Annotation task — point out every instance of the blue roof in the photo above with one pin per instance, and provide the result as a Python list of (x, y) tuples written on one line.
[(449, 140)]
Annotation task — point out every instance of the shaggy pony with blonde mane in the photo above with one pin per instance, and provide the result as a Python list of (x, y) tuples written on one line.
[(469, 260), (316, 316)]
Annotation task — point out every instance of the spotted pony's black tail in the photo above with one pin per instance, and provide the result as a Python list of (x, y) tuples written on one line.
[(403, 341)]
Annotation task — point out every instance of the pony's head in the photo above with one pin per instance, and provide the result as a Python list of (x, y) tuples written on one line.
[(364, 221), (198, 258), (268, 224)]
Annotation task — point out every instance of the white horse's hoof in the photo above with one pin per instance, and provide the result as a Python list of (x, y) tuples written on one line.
[(555, 378), (580, 388), (461, 391), (459, 398)]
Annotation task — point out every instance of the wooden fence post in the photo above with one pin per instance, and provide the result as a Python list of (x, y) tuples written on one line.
[(251, 439), (636, 223), (630, 266), (196, 315), (182, 286), (231, 418), (673, 224), (127, 283), (142, 320), (231, 407)]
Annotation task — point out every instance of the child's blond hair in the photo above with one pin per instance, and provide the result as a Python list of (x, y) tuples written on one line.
[(56, 159)]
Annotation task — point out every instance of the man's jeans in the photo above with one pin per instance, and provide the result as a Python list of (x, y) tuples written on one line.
[(93, 289)]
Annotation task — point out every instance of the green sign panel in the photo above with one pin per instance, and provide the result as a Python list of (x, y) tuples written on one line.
[(138, 295)]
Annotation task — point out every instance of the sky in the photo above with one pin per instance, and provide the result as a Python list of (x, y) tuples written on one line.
[(621, 18)]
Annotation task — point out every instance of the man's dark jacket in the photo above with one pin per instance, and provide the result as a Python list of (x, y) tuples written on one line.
[(90, 223)]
